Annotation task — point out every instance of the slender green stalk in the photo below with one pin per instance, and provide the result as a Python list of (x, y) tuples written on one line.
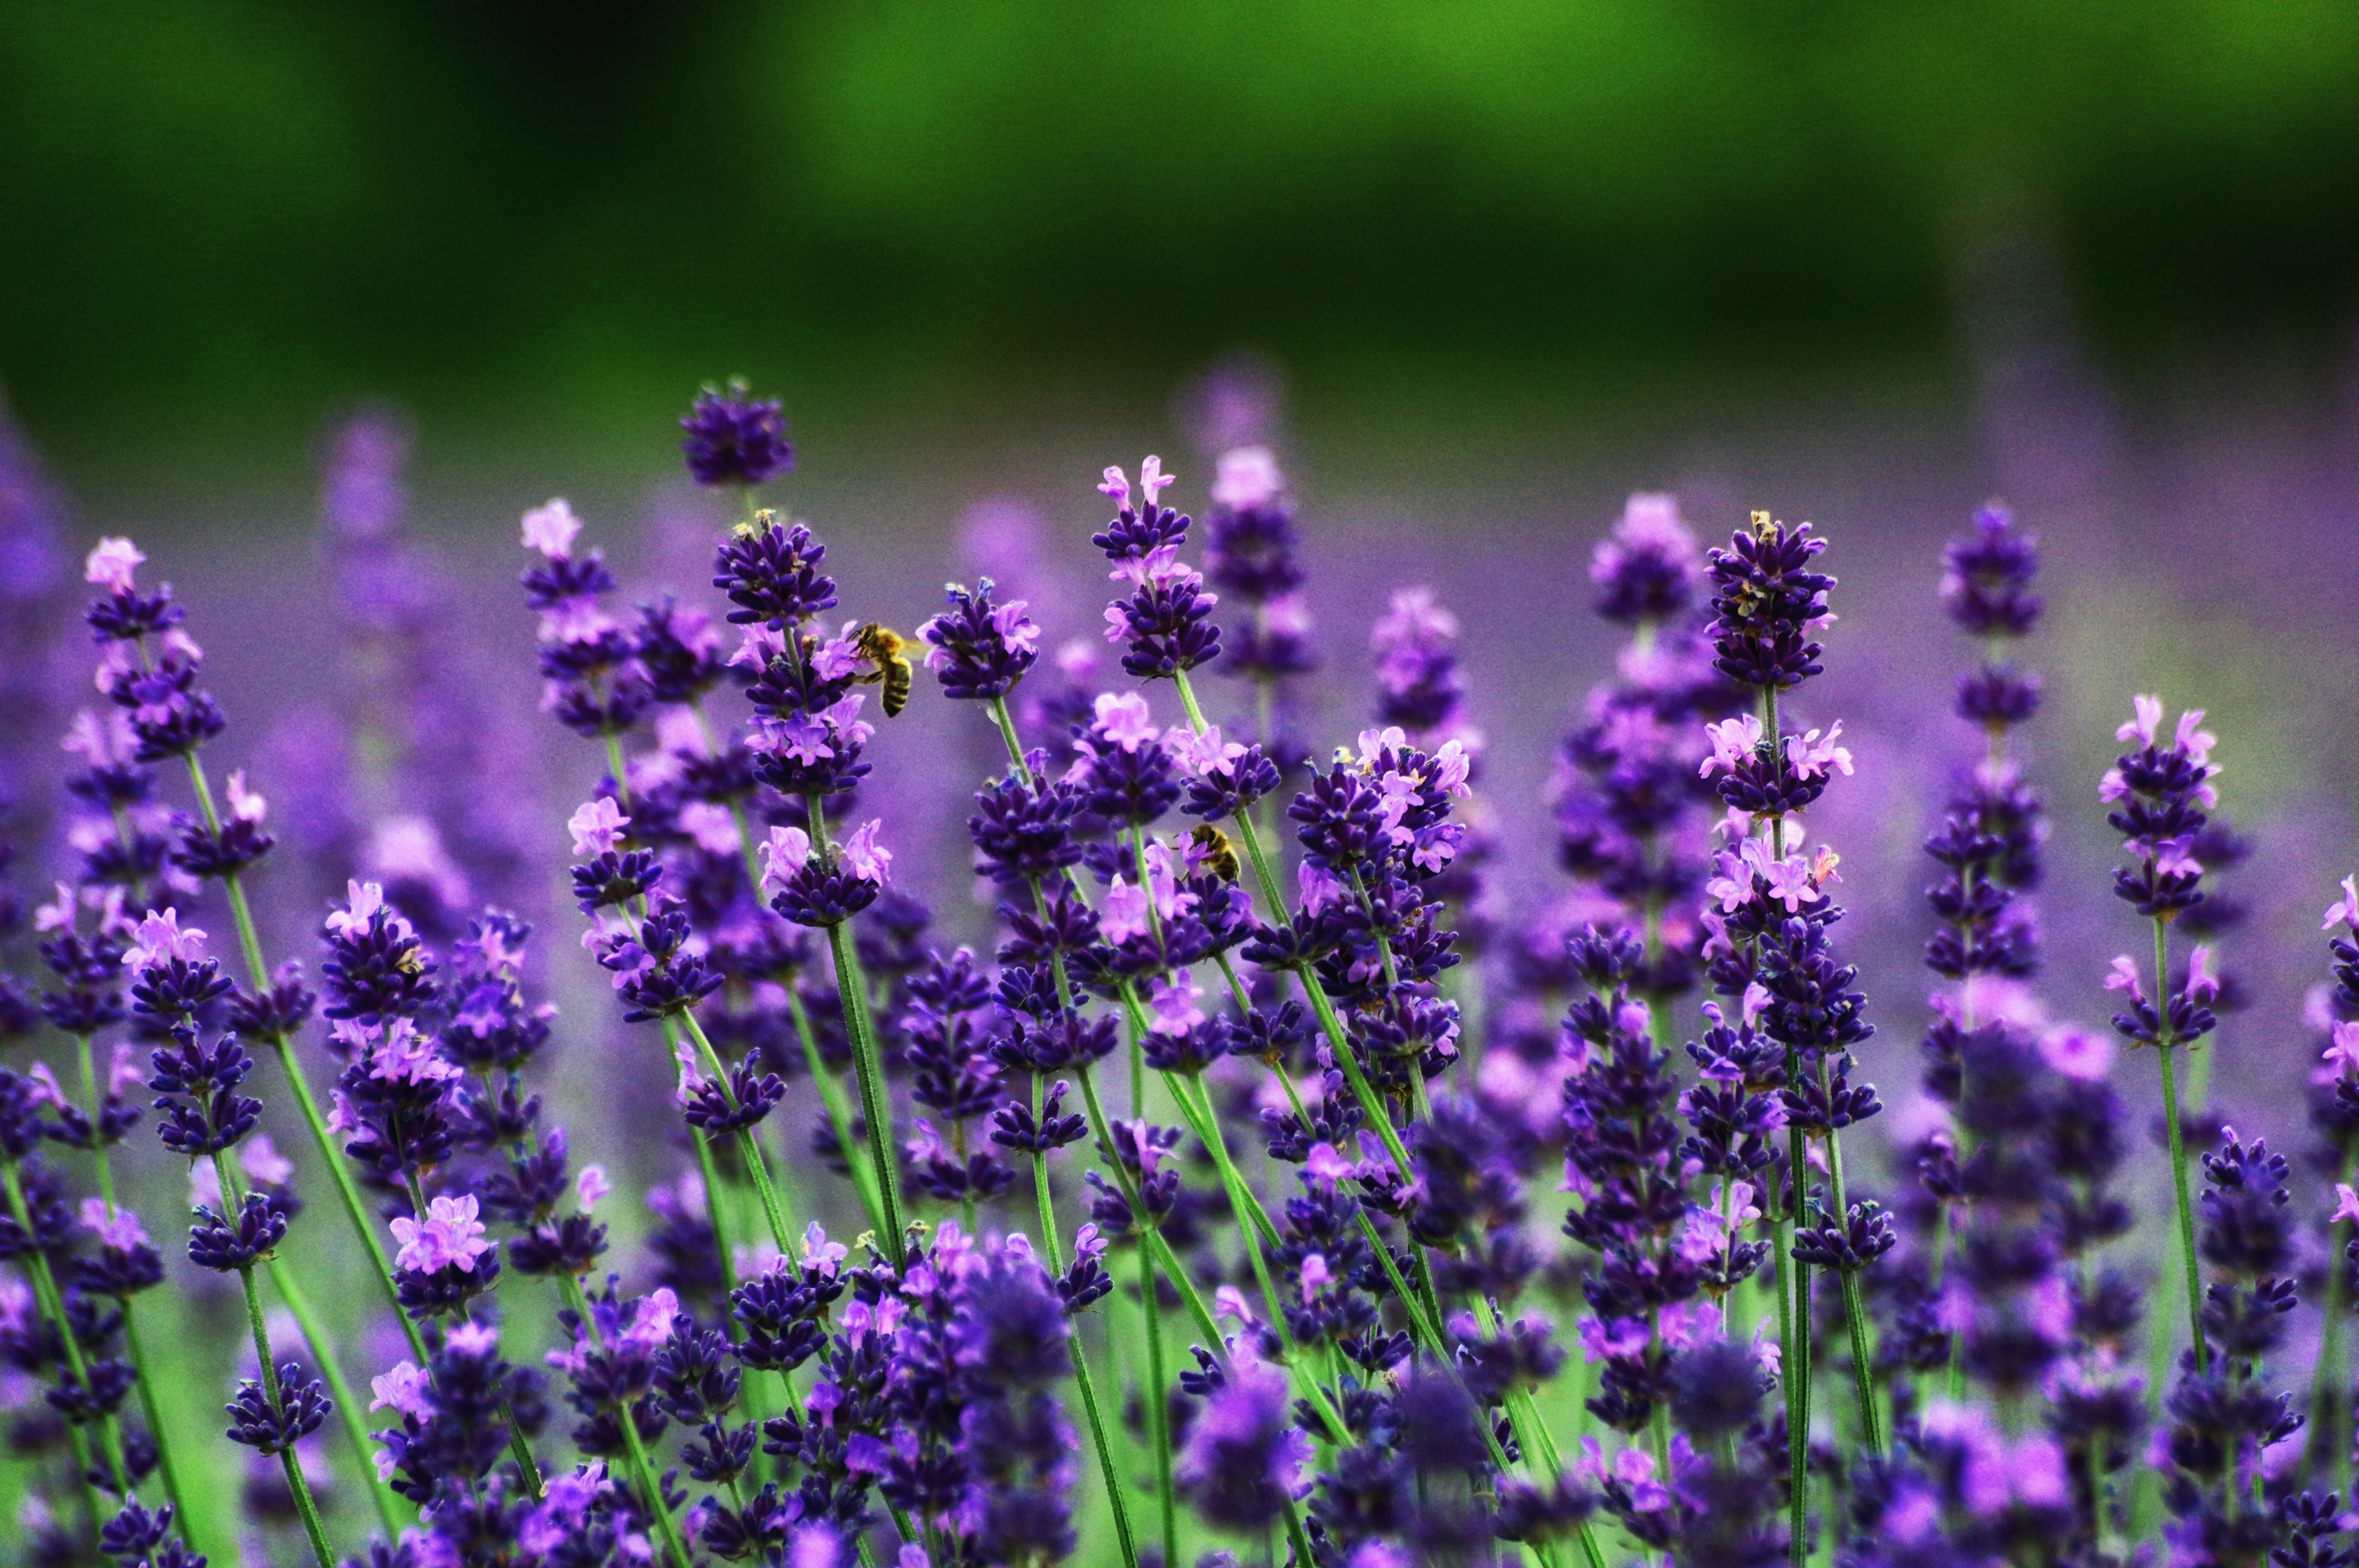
[(1854, 1307), (1295, 1537), (773, 1213), (53, 1305), (1242, 1199), (1795, 1322), (149, 1406), (875, 1103), (1796, 1365), (1190, 1297), (839, 1112), (297, 1484), (1158, 1404), (1055, 1249), (1530, 1431), (642, 1471), (2186, 1213), (249, 942), (349, 1412), (141, 1376), (1788, 1351), (2330, 1400)]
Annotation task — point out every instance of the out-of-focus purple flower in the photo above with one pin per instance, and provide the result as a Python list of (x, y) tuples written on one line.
[(451, 1237), (734, 438), (1244, 1458), (1650, 569)]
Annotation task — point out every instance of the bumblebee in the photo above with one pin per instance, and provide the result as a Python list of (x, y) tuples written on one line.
[(889, 651), (1220, 855)]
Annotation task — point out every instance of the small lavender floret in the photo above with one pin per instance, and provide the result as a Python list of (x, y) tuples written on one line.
[(273, 1428), (978, 649)]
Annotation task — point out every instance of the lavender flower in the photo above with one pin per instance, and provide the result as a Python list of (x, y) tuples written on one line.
[(733, 438), (978, 649), (1164, 621), (1243, 1465)]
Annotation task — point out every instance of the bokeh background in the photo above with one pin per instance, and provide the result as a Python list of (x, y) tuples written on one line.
[(1494, 265)]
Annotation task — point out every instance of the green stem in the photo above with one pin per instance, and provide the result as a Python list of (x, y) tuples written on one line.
[(348, 1410), (1157, 1403), (1206, 1126), (153, 1411), (859, 1026), (1798, 1351), (757, 1169), (839, 1111), (1854, 1306), (296, 1482), (1055, 1250), (1797, 1501), (53, 1305), (140, 1374), (2328, 1380), (874, 1105), (249, 941), (1169, 1260), (2186, 1211), (642, 1472)]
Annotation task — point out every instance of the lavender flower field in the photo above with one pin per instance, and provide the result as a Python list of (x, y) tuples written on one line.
[(1113, 1068)]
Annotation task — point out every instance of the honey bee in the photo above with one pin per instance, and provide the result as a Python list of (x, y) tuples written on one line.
[(889, 651), (1219, 853)]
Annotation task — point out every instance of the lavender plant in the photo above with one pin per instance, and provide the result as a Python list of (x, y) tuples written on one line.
[(1198, 1197)]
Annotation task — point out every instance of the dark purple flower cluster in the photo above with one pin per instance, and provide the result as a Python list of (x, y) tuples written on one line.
[(1624, 1162), (2222, 1418), (1767, 604), (592, 681), (2161, 795), (1165, 622), (1627, 780), (733, 438), (978, 649), (945, 1047)]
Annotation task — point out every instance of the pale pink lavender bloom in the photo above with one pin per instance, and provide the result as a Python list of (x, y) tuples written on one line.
[(551, 529), (2345, 912), (404, 1388), (362, 903), (785, 853), (162, 938), (114, 1227), (597, 827), (450, 1237), (112, 564), (864, 857)]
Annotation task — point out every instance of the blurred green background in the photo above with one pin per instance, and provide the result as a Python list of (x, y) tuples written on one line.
[(217, 218), (1865, 261)]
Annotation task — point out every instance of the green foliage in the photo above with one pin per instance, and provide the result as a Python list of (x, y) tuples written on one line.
[(252, 196)]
